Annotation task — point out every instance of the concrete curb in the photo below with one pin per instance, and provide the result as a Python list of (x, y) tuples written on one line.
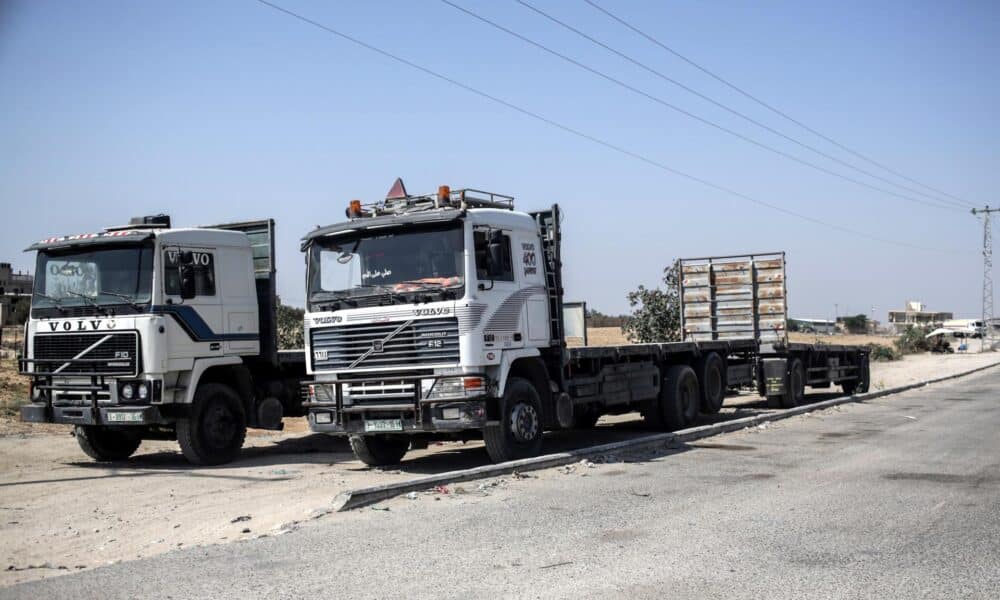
[(352, 499)]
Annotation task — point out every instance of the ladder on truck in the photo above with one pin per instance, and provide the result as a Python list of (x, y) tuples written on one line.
[(548, 229)]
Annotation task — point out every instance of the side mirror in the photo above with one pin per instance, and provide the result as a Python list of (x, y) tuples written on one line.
[(186, 273), (494, 252)]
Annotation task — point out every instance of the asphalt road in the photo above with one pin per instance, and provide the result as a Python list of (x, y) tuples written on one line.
[(895, 498)]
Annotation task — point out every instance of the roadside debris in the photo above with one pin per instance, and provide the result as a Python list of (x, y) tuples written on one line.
[(640, 494), (241, 519), (411, 496), (380, 508)]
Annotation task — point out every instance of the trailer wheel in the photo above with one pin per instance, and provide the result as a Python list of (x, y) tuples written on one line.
[(213, 433), (519, 432), (679, 396), (795, 393), (380, 450), (712, 376), (860, 385), (105, 444)]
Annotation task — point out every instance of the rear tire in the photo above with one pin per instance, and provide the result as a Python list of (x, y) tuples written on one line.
[(380, 450), (679, 397), (213, 433), (712, 377), (519, 433), (104, 444)]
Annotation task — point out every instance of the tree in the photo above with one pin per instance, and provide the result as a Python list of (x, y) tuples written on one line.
[(656, 314), (290, 336), (855, 324)]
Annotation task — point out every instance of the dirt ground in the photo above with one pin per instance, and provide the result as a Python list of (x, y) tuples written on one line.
[(61, 512)]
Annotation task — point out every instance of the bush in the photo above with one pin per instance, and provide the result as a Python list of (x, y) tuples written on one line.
[(656, 314), (913, 341), (880, 353), (290, 336)]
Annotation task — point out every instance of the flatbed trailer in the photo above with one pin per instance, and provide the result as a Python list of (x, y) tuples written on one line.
[(456, 331)]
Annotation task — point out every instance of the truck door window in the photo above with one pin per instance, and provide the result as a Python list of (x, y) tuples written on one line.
[(204, 273), (506, 271)]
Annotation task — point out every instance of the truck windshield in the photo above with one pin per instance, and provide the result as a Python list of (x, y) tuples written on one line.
[(426, 260), (93, 277)]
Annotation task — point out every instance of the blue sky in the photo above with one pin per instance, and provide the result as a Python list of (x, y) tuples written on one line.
[(230, 110)]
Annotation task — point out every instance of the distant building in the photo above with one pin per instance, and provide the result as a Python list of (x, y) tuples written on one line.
[(13, 285), (816, 326), (916, 314)]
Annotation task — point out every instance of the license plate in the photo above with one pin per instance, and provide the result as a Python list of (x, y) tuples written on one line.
[(384, 425), (124, 417)]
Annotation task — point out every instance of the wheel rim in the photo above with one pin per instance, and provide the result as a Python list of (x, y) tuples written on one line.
[(524, 423), (219, 426)]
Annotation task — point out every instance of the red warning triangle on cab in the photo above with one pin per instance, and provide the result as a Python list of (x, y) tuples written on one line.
[(397, 191)]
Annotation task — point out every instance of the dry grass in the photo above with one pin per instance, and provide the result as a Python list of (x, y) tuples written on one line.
[(847, 339), (13, 388)]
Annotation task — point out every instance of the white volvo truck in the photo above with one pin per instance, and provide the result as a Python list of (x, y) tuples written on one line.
[(440, 316), (149, 332)]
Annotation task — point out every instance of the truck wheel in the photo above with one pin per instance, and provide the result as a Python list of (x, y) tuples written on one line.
[(519, 433), (795, 393), (860, 385), (679, 397), (712, 376), (214, 432), (379, 450), (104, 444)]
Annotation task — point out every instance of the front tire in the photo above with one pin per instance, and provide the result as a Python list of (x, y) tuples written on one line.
[(105, 444), (519, 433), (379, 450), (213, 434)]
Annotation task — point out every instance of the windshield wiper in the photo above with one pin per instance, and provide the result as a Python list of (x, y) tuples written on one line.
[(89, 300), (55, 301), (393, 295), (128, 299)]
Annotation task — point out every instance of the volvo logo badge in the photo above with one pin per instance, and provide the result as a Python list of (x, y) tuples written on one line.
[(378, 346)]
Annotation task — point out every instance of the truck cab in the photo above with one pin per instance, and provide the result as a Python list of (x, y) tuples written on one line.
[(146, 331), (422, 311)]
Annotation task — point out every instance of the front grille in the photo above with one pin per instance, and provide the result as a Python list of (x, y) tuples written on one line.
[(417, 343), (367, 392), (118, 354)]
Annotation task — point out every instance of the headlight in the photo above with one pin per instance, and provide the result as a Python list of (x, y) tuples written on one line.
[(457, 387), (143, 391), (127, 391)]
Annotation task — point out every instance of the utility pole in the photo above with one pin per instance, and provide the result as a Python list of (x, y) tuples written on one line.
[(987, 271)]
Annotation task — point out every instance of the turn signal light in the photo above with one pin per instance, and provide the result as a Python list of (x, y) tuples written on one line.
[(444, 194), (355, 208), (473, 383)]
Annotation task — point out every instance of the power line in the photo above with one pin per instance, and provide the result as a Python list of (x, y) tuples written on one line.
[(747, 94), (729, 109), (687, 113), (591, 138)]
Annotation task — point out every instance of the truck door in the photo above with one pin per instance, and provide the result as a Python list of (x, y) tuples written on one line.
[(528, 259), (500, 291), (200, 317)]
